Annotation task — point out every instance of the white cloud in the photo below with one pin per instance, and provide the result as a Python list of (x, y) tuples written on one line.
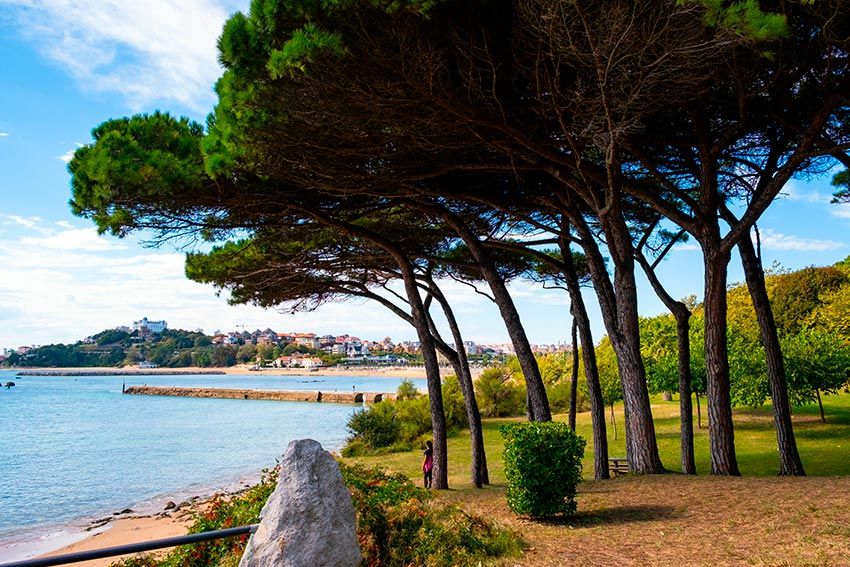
[(69, 155), (72, 239), (841, 211), (772, 240), (794, 191), (158, 50), (28, 222), (59, 284), (3, 134)]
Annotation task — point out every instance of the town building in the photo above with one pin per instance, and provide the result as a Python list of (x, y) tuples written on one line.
[(146, 326)]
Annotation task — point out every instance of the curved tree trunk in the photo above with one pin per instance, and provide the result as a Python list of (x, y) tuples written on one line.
[(574, 374), (591, 372), (721, 433), (457, 356), (682, 315), (789, 458), (619, 312), (440, 478), (537, 400)]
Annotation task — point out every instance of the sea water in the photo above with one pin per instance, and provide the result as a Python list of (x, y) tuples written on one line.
[(73, 449)]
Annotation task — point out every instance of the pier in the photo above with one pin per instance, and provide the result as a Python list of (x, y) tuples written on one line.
[(252, 394)]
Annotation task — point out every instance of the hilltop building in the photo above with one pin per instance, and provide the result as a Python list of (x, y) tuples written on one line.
[(145, 326)]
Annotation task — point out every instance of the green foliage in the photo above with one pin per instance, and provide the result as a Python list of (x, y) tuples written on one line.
[(559, 397), (660, 351), (110, 336), (833, 314), (398, 525), (542, 467), (302, 48), (407, 390), (375, 426), (414, 419), (134, 165), (815, 360), (554, 368), (744, 18), (609, 375), (401, 424), (810, 307), (794, 296), (747, 369), (498, 394), (453, 405)]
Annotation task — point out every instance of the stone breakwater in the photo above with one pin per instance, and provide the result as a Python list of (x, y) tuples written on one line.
[(251, 394), (118, 372)]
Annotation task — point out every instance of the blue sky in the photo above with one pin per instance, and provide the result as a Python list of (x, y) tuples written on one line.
[(69, 64)]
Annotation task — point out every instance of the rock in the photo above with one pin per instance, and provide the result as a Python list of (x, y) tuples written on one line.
[(124, 511), (170, 505), (309, 518)]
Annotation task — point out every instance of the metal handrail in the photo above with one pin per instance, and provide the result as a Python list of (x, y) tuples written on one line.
[(133, 547)]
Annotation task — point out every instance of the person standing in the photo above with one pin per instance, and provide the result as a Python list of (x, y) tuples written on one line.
[(428, 464)]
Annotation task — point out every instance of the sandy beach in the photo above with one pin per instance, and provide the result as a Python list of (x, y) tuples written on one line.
[(124, 531), (134, 529), (353, 371)]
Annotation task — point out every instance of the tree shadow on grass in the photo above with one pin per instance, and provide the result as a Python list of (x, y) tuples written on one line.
[(613, 516)]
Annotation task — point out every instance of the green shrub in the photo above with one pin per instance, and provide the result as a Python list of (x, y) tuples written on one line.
[(559, 397), (542, 467), (399, 425), (399, 525), (407, 390), (453, 404), (497, 393), (376, 426), (413, 417)]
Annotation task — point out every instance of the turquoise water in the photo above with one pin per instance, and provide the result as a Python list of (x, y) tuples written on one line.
[(74, 448)]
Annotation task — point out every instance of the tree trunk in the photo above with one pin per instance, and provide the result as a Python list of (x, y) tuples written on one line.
[(642, 448), (686, 414), (574, 375), (537, 400), (619, 313), (820, 405), (440, 478), (581, 322), (790, 463), (699, 411), (682, 315), (479, 473), (721, 433), (613, 422)]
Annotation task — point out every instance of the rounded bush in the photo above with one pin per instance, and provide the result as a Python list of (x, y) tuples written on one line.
[(542, 467)]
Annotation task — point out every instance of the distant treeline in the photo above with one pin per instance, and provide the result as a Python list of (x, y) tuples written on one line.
[(174, 348)]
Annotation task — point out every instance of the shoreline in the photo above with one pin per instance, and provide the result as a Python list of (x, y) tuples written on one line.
[(348, 371), (162, 516)]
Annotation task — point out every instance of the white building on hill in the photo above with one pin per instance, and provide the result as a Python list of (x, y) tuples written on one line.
[(145, 326)]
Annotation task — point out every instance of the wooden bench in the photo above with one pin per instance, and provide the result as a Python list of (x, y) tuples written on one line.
[(618, 466)]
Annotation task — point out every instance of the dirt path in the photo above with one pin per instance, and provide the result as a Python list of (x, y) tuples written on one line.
[(675, 520)]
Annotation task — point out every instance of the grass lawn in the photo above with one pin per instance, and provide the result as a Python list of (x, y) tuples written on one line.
[(678, 520)]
